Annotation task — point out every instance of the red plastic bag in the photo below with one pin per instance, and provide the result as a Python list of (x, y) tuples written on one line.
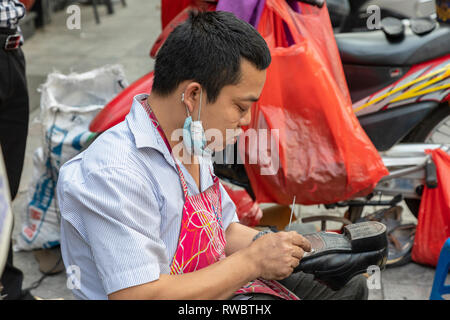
[(323, 154), (175, 13), (171, 8), (248, 211), (433, 226)]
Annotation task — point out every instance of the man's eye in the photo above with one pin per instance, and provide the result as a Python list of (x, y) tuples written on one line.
[(240, 108)]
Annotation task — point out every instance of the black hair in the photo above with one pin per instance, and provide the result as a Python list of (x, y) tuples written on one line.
[(208, 48)]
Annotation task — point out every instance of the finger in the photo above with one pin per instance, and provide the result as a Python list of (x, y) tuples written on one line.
[(297, 252), (295, 263), (301, 241)]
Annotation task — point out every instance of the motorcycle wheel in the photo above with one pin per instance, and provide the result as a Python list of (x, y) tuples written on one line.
[(434, 129)]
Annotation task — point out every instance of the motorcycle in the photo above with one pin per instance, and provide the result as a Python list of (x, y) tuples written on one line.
[(401, 96), (352, 15), (399, 82)]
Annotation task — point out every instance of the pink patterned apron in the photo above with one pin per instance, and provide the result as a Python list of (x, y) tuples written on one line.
[(202, 237)]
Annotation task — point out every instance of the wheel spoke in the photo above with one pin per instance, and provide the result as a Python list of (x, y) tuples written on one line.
[(440, 133)]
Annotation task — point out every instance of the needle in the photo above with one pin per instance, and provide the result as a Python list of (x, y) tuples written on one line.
[(292, 212), (289, 228)]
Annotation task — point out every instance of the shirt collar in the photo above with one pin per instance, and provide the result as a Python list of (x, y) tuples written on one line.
[(146, 135), (144, 132)]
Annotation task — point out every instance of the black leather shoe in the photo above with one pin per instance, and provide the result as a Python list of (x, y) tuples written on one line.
[(336, 258)]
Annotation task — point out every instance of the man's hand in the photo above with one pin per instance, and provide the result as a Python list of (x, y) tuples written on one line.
[(277, 254), (273, 256)]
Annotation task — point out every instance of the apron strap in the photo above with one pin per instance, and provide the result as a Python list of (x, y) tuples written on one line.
[(155, 122)]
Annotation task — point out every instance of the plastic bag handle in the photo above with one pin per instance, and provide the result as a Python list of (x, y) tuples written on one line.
[(284, 11), (317, 3)]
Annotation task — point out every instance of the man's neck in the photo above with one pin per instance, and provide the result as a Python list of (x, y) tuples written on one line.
[(171, 116)]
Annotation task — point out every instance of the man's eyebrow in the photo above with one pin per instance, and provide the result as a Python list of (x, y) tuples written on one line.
[(250, 98)]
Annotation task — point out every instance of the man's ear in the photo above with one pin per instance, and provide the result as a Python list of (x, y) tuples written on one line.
[(192, 96)]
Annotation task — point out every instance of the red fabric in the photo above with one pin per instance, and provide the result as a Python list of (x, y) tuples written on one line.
[(171, 8), (433, 226), (174, 15), (28, 4), (248, 211), (324, 155)]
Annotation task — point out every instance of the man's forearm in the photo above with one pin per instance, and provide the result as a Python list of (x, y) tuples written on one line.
[(272, 256), (238, 237), (217, 281)]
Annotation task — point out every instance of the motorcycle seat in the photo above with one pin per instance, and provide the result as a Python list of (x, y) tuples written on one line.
[(375, 48)]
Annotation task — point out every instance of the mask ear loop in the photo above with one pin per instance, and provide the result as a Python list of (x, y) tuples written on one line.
[(200, 107), (187, 109)]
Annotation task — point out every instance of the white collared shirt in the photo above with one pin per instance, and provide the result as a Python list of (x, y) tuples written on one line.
[(121, 204)]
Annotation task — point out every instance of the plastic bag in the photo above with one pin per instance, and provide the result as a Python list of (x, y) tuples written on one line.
[(68, 105), (170, 9), (433, 227), (313, 146), (173, 14)]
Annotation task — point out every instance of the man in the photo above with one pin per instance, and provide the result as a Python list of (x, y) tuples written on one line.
[(13, 121), (142, 222)]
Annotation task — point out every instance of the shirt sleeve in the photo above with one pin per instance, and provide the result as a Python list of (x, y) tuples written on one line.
[(11, 12), (229, 214), (120, 220)]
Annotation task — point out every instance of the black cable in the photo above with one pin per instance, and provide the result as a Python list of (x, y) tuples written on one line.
[(37, 283)]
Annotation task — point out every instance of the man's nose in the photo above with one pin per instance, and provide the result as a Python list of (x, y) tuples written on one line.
[(245, 120)]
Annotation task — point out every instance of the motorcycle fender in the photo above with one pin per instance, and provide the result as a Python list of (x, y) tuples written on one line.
[(388, 127), (447, 99), (117, 109)]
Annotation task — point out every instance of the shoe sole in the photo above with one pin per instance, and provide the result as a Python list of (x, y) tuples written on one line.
[(337, 269), (337, 258), (358, 237)]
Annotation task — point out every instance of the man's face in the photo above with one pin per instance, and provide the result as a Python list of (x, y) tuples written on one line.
[(232, 109)]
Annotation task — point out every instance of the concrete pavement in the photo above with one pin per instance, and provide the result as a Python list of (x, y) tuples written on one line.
[(126, 38)]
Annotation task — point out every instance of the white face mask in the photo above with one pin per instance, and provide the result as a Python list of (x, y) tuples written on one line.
[(194, 138)]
